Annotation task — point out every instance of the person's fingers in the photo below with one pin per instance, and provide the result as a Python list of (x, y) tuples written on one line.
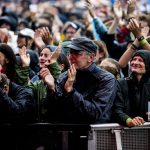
[(137, 121), (130, 26), (44, 72), (141, 120), (28, 55), (69, 73), (73, 69)]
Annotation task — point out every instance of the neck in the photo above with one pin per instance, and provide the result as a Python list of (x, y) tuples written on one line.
[(139, 77)]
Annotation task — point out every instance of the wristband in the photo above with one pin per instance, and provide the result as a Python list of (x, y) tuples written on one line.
[(134, 47), (128, 120), (143, 42)]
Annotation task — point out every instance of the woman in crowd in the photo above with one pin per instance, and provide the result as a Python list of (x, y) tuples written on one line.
[(9, 65), (131, 103)]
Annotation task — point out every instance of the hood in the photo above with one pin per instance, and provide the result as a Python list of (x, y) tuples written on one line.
[(145, 54), (52, 48)]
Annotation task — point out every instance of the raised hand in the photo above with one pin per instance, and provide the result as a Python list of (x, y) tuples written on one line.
[(71, 78), (56, 54), (25, 58), (38, 39), (46, 36), (118, 12), (134, 27), (90, 8), (131, 4)]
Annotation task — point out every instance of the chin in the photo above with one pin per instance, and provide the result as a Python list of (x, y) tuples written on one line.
[(137, 72), (134, 71)]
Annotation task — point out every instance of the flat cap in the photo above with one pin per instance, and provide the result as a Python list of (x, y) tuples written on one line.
[(83, 43)]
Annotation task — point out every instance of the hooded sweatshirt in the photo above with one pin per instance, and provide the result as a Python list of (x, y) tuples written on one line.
[(133, 95)]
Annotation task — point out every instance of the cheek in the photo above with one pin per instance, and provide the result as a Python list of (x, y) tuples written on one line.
[(131, 63), (143, 66), (72, 57), (2, 61)]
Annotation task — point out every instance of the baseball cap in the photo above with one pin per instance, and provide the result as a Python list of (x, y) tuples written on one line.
[(27, 32), (83, 43)]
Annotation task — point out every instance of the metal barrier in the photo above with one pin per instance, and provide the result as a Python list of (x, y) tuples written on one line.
[(46, 136), (116, 137)]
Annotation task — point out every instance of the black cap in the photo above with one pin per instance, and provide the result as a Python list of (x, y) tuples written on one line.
[(9, 20), (83, 43)]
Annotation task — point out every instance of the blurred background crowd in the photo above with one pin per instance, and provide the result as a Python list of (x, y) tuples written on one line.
[(55, 13)]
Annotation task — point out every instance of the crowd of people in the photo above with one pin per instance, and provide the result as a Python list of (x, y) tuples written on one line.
[(80, 62)]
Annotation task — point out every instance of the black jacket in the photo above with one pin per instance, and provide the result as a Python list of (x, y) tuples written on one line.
[(17, 106), (90, 101), (133, 96)]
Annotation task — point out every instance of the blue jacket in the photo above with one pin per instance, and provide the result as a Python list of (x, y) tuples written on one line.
[(114, 48), (90, 101)]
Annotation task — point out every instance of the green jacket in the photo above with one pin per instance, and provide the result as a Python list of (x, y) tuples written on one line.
[(39, 89), (40, 93), (21, 75)]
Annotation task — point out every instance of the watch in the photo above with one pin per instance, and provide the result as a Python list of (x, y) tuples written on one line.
[(140, 38)]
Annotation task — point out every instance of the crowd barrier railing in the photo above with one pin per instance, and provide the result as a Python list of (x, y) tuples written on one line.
[(115, 137), (74, 137)]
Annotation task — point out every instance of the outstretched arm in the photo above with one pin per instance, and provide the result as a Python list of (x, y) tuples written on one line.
[(118, 12), (38, 40), (99, 28), (138, 32)]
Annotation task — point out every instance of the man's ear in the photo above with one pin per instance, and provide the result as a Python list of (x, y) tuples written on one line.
[(92, 57)]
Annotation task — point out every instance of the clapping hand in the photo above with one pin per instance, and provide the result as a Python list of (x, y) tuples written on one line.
[(56, 54), (46, 36), (47, 78), (71, 78), (135, 27)]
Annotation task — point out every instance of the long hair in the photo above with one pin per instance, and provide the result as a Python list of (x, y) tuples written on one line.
[(62, 59)]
